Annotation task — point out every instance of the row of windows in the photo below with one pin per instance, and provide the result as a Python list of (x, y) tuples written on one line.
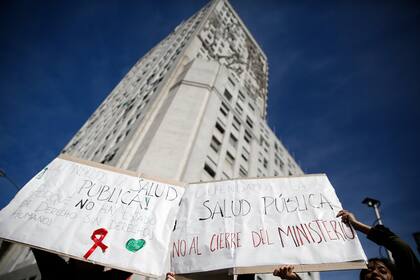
[(216, 146), (229, 158), (243, 172), (241, 99), (104, 118)]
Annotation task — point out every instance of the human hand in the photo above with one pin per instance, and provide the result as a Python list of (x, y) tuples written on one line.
[(170, 276), (348, 218), (286, 272)]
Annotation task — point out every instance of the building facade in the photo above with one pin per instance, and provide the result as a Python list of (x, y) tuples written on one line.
[(192, 109)]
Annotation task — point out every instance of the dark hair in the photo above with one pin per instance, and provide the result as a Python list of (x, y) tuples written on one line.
[(385, 261)]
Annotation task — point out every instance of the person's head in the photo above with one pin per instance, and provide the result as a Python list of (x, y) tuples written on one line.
[(378, 269)]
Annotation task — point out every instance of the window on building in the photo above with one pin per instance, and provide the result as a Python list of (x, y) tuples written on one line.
[(236, 123), (243, 172), (244, 157), (211, 161), (220, 128), (231, 82), (245, 154), (209, 170), (215, 144), (109, 156), (224, 109), (278, 161), (239, 109), (228, 95), (233, 141), (264, 142), (230, 158), (249, 122), (260, 157), (241, 96), (251, 107), (265, 163), (247, 136)]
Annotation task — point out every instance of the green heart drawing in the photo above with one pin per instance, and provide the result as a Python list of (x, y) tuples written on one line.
[(134, 245)]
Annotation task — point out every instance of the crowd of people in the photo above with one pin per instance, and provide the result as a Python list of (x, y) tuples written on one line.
[(405, 265)]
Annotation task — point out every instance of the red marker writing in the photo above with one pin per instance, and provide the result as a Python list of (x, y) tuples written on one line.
[(97, 237)]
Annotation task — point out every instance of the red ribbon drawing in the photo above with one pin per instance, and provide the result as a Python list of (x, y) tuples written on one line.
[(101, 232)]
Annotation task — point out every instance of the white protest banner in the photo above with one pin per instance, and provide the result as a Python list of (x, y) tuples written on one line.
[(261, 222), (94, 212)]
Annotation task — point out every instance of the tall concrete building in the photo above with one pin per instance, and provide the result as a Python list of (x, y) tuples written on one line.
[(192, 109)]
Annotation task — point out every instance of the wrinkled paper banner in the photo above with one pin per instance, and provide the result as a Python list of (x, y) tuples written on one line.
[(114, 219), (260, 222)]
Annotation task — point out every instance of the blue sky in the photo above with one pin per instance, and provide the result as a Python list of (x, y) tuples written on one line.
[(344, 87)]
